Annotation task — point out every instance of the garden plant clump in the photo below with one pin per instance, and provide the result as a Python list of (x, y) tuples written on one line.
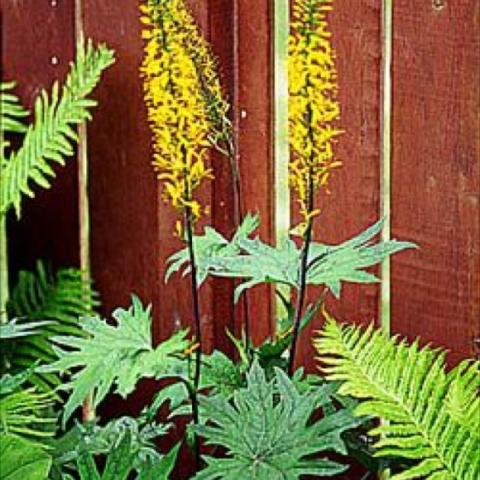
[(391, 405)]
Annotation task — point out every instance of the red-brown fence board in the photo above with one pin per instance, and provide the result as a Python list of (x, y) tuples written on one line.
[(253, 108), (436, 151), (36, 47)]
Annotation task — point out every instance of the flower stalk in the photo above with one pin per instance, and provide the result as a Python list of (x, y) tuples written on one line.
[(313, 111)]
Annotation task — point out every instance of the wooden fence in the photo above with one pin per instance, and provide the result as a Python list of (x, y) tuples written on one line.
[(434, 160)]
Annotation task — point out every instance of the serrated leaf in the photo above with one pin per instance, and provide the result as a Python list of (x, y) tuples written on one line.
[(115, 356), (267, 429)]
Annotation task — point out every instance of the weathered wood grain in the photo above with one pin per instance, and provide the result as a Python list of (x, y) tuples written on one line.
[(436, 156)]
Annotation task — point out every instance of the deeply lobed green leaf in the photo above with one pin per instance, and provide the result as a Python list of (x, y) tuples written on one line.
[(268, 432), (115, 356), (257, 262)]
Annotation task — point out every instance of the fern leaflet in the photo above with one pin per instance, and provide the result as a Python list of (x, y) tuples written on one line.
[(61, 299)]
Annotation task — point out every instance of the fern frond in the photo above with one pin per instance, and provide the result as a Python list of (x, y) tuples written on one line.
[(114, 355), (24, 412), (463, 400), (50, 137), (409, 388), (61, 299), (11, 111)]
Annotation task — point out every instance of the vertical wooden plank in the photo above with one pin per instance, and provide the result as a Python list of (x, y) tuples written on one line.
[(37, 39), (123, 189), (353, 203), (253, 108), (436, 154), (221, 35)]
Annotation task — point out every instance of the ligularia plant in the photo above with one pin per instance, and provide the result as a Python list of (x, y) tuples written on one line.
[(186, 112)]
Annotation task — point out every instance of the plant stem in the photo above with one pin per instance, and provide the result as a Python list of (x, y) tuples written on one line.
[(192, 394), (307, 239), (88, 411), (4, 291), (195, 298), (197, 325)]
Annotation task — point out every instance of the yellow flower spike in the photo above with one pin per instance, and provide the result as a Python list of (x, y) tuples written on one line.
[(313, 104), (180, 87)]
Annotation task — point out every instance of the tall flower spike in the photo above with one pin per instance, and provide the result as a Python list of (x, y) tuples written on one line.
[(313, 105), (181, 89)]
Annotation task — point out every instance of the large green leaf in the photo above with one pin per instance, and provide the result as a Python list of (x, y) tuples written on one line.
[(210, 245), (22, 460), (257, 262), (49, 138), (268, 432), (115, 356), (426, 410)]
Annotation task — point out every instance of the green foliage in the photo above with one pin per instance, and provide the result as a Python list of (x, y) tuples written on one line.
[(62, 298), (115, 356), (26, 413), (22, 459), (330, 265), (463, 400), (273, 351), (427, 410), (211, 245), (11, 111), (268, 431), (102, 439), (15, 328), (119, 463), (89, 441), (257, 262), (49, 138)]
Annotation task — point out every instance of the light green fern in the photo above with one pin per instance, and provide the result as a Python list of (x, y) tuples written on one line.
[(61, 299), (50, 137), (431, 415), (24, 412), (11, 113)]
